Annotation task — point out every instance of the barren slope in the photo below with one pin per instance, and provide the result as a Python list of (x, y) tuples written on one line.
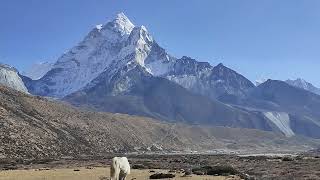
[(35, 127)]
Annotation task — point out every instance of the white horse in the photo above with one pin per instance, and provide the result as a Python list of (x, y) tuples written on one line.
[(120, 168)]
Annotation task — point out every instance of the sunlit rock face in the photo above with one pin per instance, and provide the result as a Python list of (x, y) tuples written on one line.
[(9, 77)]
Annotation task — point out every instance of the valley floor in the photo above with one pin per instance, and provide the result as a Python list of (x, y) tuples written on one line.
[(266, 167), (83, 173)]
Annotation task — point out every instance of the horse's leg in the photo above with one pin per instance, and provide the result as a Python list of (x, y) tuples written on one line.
[(112, 173), (122, 176), (118, 174)]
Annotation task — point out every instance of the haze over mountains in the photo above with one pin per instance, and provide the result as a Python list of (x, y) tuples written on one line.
[(120, 68), (38, 70)]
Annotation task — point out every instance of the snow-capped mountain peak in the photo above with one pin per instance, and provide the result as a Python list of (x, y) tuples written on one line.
[(85, 61), (118, 44), (303, 84), (123, 24)]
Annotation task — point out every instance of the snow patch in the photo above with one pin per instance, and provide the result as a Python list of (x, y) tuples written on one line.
[(186, 81), (99, 27), (158, 68), (260, 81), (282, 121)]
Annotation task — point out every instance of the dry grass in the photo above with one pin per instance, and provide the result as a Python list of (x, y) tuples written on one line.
[(87, 174)]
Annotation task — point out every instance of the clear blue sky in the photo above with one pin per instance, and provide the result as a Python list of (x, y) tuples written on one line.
[(276, 39)]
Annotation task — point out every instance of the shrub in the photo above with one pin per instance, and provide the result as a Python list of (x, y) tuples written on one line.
[(215, 170), (9, 167), (199, 172), (139, 166), (287, 158), (222, 170), (187, 172), (162, 176)]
